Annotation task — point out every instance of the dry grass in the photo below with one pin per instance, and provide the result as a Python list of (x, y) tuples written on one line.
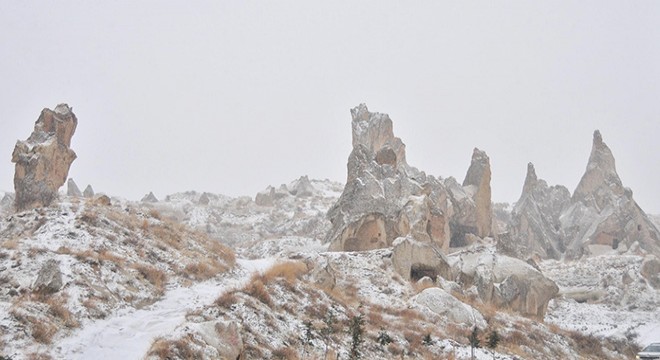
[(285, 353), (174, 349), (38, 356), (289, 271), (155, 276), (257, 289), (204, 269), (57, 308), (226, 300)]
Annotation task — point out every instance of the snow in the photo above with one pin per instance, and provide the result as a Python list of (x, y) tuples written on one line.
[(129, 333)]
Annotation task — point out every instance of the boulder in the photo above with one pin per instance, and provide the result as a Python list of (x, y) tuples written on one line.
[(503, 281), (43, 160), (444, 304), (72, 189), (49, 278), (268, 196), (650, 270), (89, 192), (225, 337), (384, 198)]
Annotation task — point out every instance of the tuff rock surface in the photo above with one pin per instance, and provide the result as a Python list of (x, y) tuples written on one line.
[(534, 226), (72, 189), (603, 212), (503, 281), (384, 198), (88, 192), (600, 216), (43, 160)]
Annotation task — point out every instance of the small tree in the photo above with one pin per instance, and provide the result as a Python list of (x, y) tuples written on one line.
[(474, 340), (329, 320), (384, 338), (492, 341), (356, 329), (428, 340)]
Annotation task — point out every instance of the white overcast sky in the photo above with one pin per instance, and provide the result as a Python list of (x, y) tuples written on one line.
[(231, 96)]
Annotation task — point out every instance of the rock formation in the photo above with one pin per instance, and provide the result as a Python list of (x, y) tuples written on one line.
[(72, 189), (300, 188), (385, 198), (49, 278), (473, 214), (43, 160), (89, 192), (504, 281), (603, 213), (534, 227), (478, 179), (600, 216), (150, 198)]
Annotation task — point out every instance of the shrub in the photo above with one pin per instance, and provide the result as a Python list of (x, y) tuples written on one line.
[(356, 329), (289, 271), (155, 276), (258, 290)]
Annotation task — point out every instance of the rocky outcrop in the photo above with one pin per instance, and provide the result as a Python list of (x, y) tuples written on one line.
[(72, 189), (149, 198), (477, 181), (49, 278), (300, 188), (88, 192), (603, 214), (43, 160), (503, 281), (534, 227), (442, 303), (385, 198)]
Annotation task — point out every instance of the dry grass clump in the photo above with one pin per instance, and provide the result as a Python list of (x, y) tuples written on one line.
[(257, 289), (38, 356), (289, 271), (174, 349), (285, 353), (57, 308), (226, 300), (155, 276), (42, 331)]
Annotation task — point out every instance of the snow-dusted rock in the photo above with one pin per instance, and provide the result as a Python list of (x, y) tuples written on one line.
[(603, 212), (534, 226), (478, 178), (414, 260), (650, 270), (150, 198), (43, 160), (385, 198), (49, 278), (72, 189), (88, 192), (504, 281), (444, 304)]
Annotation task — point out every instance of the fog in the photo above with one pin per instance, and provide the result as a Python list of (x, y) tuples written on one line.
[(229, 97)]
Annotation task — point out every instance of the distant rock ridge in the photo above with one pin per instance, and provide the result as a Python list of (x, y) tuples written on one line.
[(384, 198), (43, 160), (601, 215), (149, 198)]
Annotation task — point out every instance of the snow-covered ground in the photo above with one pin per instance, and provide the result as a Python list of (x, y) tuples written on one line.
[(129, 333)]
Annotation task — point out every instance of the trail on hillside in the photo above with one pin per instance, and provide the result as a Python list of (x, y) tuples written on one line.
[(129, 333)]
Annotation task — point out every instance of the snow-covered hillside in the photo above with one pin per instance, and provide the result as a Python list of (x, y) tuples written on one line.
[(157, 281)]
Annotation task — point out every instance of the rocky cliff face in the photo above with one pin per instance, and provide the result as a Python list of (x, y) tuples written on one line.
[(600, 216), (385, 198), (43, 160)]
